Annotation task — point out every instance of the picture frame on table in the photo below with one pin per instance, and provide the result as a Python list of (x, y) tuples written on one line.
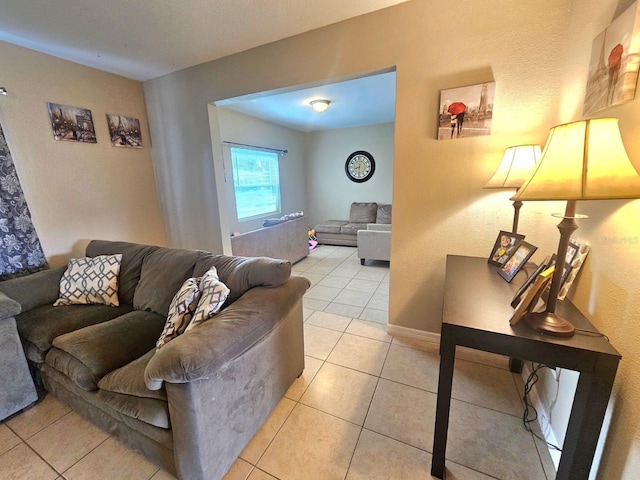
[(532, 295), (517, 297), (517, 260), (504, 246)]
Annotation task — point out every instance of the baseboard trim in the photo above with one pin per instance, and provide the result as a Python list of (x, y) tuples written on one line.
[(413, 333), (543, 417)]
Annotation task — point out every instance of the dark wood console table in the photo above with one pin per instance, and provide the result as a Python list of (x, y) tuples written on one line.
[(476, 314)]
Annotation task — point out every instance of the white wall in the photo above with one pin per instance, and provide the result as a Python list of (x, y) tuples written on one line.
[(240, 128), (77, 191), (329, 191)]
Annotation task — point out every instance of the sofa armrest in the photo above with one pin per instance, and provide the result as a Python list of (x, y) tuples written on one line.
[(201, 352), (379, 227), (8, 307), (34, 290)]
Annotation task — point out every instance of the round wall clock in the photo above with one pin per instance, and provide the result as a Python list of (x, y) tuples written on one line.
[(360, 166)]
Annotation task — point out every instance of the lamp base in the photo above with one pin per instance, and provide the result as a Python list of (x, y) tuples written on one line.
[(550, 324)]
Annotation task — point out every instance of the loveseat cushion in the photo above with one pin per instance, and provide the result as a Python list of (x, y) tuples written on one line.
[(384, 214), (88, 354), (330, 226), (352, 228), (148, 410), (363, 212), (124, 390), (130, 266), (129, 380), (240, 274), (39, 326), (163, 272)]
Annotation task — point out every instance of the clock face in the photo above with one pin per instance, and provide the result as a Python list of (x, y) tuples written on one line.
[(360, 166)]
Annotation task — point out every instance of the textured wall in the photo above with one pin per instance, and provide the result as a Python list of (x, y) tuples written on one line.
[(77, 191)]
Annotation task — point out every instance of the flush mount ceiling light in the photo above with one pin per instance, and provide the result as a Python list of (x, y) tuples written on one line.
[(319, 105)]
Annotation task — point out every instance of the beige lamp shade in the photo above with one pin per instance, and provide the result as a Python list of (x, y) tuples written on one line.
[(516, 166), (583, 160)]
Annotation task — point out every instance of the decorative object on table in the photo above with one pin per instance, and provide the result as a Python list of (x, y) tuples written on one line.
[(466, 111), (577, 251), (517, 260), (544, 265), (360, 166), (583, 160), (124, 131), (505, 245), (515, 167), (613, 70), (71, 124), (530, 299)]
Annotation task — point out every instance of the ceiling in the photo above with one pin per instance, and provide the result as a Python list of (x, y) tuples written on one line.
[(146, 39), (143, 40), (362, 101)]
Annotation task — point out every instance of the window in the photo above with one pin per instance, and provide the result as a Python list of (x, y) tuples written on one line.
[(256, 182)]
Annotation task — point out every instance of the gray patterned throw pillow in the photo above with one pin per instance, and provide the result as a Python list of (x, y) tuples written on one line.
[(90, 280), (181, 310), (214, 294)]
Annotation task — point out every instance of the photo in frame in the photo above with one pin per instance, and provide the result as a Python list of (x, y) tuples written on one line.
[(124, 131), (504, 246), (71, 124), (581, 249), (532, 295), (517, 260), (518, 295), (466, 111)]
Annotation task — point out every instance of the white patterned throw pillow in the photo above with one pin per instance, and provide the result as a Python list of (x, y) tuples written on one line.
[(181, 310), (214, 294), (90, 280)]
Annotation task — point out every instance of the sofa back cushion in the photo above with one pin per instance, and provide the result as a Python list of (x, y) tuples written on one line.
[(240, 274), (384, 214), (130, 266), (363, 212), (162, 274)]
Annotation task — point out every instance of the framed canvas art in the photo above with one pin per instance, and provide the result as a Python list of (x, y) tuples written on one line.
[(614, 64), (124, 131), (466, 111), (71, 124)]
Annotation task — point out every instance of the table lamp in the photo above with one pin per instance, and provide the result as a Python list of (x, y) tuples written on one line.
[(583, 160), (515, 167)]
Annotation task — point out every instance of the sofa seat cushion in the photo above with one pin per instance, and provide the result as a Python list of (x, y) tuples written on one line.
[(352, 228), (129, 380), (40, 326), (149, 410), (88, 354), (330, 226), (124, 390)]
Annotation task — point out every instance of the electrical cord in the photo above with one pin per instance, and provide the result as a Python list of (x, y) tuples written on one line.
[(530, 414), (591, 333)]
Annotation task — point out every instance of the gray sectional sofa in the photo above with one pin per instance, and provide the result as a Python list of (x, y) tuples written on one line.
[(345, 232), (194, 404)]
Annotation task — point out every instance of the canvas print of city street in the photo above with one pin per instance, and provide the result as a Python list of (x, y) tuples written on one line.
[(466, 111), (124, 131), (613, 69), (71, 124)]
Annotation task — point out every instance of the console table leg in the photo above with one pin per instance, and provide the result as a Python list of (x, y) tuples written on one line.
[(443, 405), (515, 365)]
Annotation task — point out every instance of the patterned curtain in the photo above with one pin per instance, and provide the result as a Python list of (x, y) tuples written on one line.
[(20, 250)]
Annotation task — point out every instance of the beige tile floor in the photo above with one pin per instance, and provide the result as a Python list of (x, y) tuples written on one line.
[(362, 410)]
